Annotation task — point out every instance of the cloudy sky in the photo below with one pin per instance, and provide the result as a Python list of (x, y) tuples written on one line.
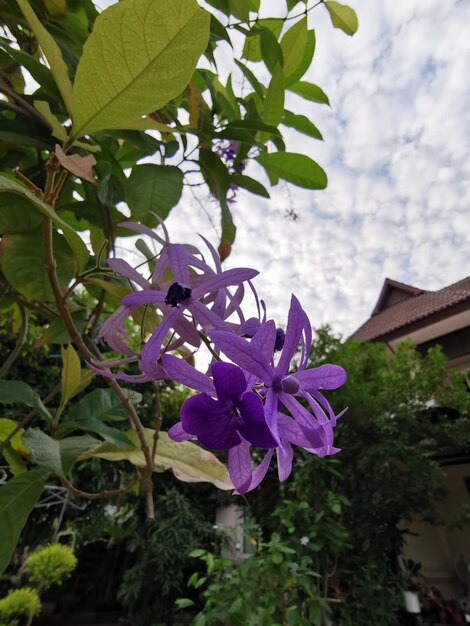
[(396, 151)]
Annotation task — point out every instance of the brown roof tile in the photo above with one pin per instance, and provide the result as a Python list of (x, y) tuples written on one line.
[(418, 305)]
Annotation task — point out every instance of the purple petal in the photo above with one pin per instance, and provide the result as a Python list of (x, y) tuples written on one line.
[(253, 425), (235, 301), (143, 230), (177, 433), (124, 269), (306, 342), (264, 340), (227, 278), (258, 474), (293, 334), (161, 269), (205, 317), (209, 421), (179, 370), (240, 352), (152, 348), (146, 296), (291, 432), (214, 254), (316, 434), (179, 262), (250, 327), (239, 466), (187, 332), (229, 381), (129, 378), (285, 454), (270, 413), (323, 377)]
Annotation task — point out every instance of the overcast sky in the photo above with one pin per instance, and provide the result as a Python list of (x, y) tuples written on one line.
[(396, 152)]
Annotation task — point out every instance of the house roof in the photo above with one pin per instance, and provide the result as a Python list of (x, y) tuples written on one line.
[(399, 305)]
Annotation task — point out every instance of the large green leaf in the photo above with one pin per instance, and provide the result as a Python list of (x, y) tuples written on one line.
[(342, 17), (22, 262), (17, 214), (101, 404), (306, 61), (52, 53), (110, 434), (156, 188), (18, 392), (252, 45), (57, 455), (293, 45), (250, 184), (187, 461), (295, 168), (302, 124), (80, 250), (123, 77), (274, 102), (309, 91), (17, 500)]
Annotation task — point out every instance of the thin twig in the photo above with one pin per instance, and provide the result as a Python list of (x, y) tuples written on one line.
[(100, 494), (158, 418)]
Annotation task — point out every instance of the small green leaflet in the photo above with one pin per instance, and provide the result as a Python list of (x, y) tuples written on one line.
[(295, 168), (342, 17)]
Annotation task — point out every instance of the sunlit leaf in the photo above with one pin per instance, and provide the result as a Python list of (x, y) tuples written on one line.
[(71, 373), (293, 44), (295, 168), (309, 91), (252, 45), (250, 184), (121, 78), (342, 17), (52, 53), (302, 124), (17, 499)]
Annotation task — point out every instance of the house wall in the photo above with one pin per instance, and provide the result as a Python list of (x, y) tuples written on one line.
[(438, 548)]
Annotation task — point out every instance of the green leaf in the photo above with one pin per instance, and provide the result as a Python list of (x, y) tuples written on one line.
[(57, 331), (18, 392), (250, 184), (252, 45), (57, 455), (270, 50), (309, 91), (22, 262), (186, 460), (306, 61), (71, 373), (6, 428), (274, 102), (120, 78), (342, 17), (295, 168), (14, 460), (109, 434), (240, 9), (41, 74), (302, 124), (218, 179), (17, 214), (156, 188), (79, 248), (101, 404), (17, 500), (293, 45), (254, 82), (52, 53), (58, 130)]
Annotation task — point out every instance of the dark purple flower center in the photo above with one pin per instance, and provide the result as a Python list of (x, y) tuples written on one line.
[(290, 385), (176, 294), (280, 338)]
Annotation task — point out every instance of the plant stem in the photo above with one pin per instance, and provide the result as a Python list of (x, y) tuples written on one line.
[(100, 495)]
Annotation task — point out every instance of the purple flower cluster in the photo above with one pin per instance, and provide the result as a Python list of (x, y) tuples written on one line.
[(251, 401)]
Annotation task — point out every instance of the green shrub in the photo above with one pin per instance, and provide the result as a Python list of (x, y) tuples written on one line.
[(20, 602), (51, 565)]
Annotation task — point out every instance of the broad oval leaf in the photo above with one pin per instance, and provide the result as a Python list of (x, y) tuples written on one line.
[(309, 91), (293, 44), (123, 77), (187, 461), (306, 61), (57, 455), (18, 392), (17, 214), (302, 124), (102, 404), (250, 184), (17, 500), (342, 17), (22, 262), (296, 168), (156, 188), (274, 102), (252, 45)]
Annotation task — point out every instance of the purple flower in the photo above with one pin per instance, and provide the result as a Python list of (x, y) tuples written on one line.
[(236, 414)]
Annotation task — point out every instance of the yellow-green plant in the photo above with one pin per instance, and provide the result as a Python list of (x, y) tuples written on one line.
[(51, 565), (20, 602)]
